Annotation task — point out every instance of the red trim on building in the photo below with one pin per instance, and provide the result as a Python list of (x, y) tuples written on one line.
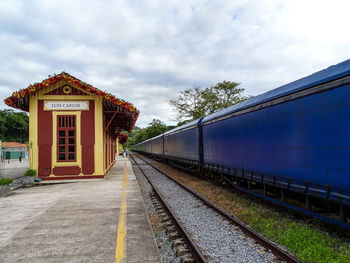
[(44, 140), (88, 139), (106, 151), (66, 170)]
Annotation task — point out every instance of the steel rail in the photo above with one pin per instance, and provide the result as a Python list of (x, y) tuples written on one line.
[(196, 252), (277, 251)]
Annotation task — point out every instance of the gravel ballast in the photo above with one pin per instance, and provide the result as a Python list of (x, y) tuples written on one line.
[(217, 238)]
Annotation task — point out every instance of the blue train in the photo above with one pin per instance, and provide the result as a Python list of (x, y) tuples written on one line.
[(293, 141)]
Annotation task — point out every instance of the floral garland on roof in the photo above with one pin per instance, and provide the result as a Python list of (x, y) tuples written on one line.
[(123, 138), (33, 88)]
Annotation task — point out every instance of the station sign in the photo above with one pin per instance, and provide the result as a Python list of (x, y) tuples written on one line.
[(66, 105)]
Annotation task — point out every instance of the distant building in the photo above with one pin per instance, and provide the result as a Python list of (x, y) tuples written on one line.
[(13, 150)]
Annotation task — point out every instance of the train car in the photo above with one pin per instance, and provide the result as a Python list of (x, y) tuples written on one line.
[(143, 147), (153, 146), (181, 145), (295, 138), (140, 147), (156, 146)]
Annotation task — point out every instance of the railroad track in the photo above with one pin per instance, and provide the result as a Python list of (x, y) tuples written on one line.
[(170, 219), (254, 247)]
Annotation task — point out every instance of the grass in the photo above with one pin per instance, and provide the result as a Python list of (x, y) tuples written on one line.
[(306, 240), (5, 181), (30, 172)]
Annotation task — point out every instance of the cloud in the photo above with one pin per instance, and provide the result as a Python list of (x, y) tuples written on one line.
[(148, 51)]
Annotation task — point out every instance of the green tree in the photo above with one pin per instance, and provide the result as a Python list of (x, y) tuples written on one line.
[(14, 126), (155, 128), (223, 95), (190, 104), (195, 103)]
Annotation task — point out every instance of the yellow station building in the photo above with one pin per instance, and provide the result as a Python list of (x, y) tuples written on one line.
[(73, 127)]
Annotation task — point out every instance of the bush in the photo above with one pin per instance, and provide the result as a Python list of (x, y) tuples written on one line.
[(5, 181), (30, 172)]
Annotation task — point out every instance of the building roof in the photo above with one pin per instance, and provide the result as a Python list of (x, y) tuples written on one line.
[(20, 99), (12, 145)]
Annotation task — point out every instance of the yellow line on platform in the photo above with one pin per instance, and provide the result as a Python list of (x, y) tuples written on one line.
[(120, 251)]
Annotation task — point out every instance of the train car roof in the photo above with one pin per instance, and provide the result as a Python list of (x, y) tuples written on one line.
[(148, 140), (326, 75), (182, 127)]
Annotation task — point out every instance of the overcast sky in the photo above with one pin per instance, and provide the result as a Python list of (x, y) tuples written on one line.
[(146, 52)]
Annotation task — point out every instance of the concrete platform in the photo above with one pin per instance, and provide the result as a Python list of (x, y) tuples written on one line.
[(78, 222)]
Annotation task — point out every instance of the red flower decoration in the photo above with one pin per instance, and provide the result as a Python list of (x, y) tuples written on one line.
[(32, 89)]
